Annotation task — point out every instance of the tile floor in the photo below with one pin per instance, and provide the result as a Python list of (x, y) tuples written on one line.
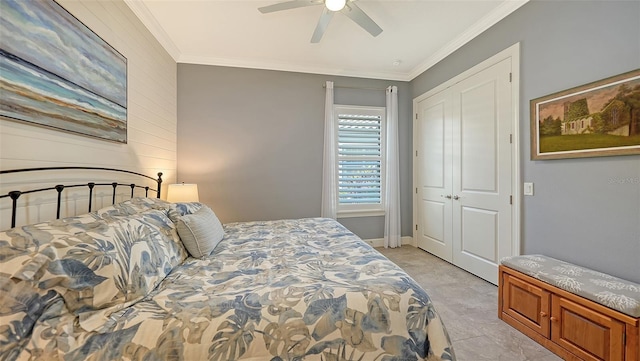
[(468, 306)]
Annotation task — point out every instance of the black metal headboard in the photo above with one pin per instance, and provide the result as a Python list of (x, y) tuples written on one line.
[(14, 195)]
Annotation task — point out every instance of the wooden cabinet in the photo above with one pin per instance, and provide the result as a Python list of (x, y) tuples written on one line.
[(571, 326), (585, 332), (528, 304)]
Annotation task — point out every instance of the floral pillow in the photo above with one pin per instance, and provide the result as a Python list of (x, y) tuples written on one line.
[(105, 269), (30, 238), (130, 207), (177, 210), (22, 302)]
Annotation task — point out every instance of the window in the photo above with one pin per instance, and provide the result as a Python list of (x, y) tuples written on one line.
[(360, 157)]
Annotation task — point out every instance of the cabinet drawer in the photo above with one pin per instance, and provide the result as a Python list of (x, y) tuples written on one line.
[(528, 304), (586, 333)]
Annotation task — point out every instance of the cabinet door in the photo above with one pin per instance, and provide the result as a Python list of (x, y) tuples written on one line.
[(528, 304), (586, 333)]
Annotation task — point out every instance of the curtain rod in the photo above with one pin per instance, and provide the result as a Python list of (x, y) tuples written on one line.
[(355, 87)]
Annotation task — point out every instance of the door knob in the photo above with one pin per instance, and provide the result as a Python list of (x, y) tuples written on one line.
[(543, 314), (448, 196), (456, 198)]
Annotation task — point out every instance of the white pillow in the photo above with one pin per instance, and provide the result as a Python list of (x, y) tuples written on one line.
[(200, 232)]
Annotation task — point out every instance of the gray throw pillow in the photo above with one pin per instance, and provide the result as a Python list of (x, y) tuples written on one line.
[(200, 232)]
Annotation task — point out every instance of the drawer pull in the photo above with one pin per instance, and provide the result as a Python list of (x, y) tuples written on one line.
[(553, 319), (543, 314)]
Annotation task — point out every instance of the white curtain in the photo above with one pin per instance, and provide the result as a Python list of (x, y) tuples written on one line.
[(329, 186), (392, 226)]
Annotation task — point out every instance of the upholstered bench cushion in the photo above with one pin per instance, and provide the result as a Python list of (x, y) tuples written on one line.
[(613, 292)]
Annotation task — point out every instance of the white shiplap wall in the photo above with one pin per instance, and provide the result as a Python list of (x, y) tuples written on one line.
[(151, 121)]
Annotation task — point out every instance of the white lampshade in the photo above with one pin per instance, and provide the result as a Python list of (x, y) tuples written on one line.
[(335, 5), (182, 193)]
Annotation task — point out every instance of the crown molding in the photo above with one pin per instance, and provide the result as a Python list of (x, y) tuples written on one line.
[(290, 67), (150, 22), (499, 13)]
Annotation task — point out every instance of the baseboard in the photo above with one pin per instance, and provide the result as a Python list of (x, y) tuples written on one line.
[(379, 242)]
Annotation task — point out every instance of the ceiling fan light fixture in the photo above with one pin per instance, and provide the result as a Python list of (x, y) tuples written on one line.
[(335, 5)]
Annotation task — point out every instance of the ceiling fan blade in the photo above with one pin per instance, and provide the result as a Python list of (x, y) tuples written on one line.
[(325, 18), (356, 14), (294, 4)]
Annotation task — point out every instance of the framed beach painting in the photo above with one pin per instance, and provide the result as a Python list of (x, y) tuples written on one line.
[(597, 119), (56, 72)]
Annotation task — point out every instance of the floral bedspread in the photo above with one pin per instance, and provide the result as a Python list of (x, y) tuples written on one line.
[(280, 290)]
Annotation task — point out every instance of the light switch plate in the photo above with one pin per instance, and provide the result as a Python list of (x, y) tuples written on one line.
[(528, 189)]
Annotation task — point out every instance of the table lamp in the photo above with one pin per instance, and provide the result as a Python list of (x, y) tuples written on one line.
[(182, 193)]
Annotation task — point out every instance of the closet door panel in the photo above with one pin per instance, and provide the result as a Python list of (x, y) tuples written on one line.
[(479, 233), (434, 176), (478, 138), (481, 179), (433, 218)]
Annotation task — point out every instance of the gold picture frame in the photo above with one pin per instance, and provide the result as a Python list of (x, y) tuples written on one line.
[(592, 120)]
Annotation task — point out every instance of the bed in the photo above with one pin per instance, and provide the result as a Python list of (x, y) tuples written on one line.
[(117, 283)]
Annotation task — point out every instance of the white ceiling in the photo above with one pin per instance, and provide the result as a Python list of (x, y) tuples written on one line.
[(418, 33)]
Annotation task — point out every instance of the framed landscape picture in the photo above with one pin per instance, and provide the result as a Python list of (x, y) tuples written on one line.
[(593, 120), (56, 72)]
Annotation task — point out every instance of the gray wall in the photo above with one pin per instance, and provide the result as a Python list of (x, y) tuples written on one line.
[(253, 140), (585, 211)]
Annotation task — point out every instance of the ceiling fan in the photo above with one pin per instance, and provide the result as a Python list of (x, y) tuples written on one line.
[(346, 7)]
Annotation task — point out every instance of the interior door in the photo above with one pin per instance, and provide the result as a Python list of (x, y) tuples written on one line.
[(464, 169), (433, 128), (482, 170)]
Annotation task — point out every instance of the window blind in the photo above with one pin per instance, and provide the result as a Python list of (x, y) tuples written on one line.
[(359, 159)]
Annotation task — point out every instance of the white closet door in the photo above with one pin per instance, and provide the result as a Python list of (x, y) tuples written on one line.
[(465, 167), (433, 128), (482, 170)]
